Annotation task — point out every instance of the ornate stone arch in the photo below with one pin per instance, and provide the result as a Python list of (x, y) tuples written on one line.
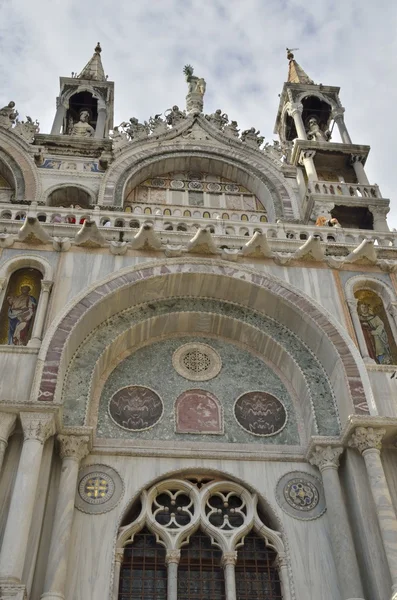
[(318, 95), (256, 173), (33, 261), (69, 184), (317, 328), (14, 156)]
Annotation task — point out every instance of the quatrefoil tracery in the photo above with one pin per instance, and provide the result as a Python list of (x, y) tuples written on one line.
[(226, 511), (173, 509)]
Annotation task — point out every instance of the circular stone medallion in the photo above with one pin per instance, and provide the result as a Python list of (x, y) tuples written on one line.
[(135, 408), (260, 413), (197, 362), (301, 495), (99, 489)]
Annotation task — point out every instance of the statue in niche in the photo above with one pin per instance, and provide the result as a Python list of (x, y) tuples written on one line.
[(252, 137), (314, 131), (174, 116), (376, 329), (82, 128), (218, 119), (21, 309), (8, 115)]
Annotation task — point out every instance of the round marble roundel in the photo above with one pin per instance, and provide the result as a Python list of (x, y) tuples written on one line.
[(197, 362), (301, 495), (135, 408), (260, 413), (99, 489)]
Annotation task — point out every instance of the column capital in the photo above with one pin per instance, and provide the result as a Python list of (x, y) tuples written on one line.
[(357, 158), (172, 556), (12, 591), (294, 107), (7, 424), (37, 426), (119, 555), (46, 285), (325, 457), (338, 112), (281, 560), (367, 438), (229, 558), (73, 446), (380, 210), (306, 154)]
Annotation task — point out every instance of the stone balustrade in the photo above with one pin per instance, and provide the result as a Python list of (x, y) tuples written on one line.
[(65, 222), (351, 190)]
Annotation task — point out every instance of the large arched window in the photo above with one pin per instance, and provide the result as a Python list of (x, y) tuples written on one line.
[(143, 573), (198, 538)]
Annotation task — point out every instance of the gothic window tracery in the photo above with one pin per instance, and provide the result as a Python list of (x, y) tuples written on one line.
[(195, 528)]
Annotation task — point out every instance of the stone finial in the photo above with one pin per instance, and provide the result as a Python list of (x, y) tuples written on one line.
[(367, 438), (173, 556), (37, 426), (196, 91), (325, 457), (73, 446)]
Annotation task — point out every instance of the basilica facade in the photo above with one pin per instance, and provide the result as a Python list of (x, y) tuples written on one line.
[(197, 353)]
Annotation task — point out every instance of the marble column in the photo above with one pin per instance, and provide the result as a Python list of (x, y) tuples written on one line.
[(118, 561), (326, 458), (229, 560), (58, 121), (100, 124), (340, 122), (7, 424), (295, 110), (73, 449), (172, 559), (282, 566), (37, 428), (41, 312), (352, 304), (357, 162), (368, 442), (306, 159)]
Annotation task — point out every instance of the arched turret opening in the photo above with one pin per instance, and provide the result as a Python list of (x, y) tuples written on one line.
[(69, 196), (78, 103)]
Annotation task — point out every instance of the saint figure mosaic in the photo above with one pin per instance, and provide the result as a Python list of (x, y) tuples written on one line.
[(376, 328), (19, 307)]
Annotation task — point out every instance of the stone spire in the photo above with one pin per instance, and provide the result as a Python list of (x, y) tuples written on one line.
[(295, 72), (94, 69)]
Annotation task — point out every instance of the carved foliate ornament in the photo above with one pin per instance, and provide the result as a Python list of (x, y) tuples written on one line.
[(325, 457), (73, 446), (367, 438), (37, 426), (173, 556)]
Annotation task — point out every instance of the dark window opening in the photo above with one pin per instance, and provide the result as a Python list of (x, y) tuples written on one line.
[(78, 103), (354, 217), (257, 576)]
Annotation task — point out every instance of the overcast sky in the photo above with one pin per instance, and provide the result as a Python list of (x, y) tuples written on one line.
[(238, 46)]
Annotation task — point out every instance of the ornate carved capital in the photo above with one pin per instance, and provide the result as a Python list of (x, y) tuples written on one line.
[(7, 424), (37, 426), (281, 560), (12, 590), (379, 210), (355, 158), (119, 555), (73, 446), (46, 285), (325, 457), (338, 113), (306, 154), (229, 558), (172, 556), (367, 438), (294, 107)]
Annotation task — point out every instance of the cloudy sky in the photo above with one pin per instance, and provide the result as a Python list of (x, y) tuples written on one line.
[(238, 46)]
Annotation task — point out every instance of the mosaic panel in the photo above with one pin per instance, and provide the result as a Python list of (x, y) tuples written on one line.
[(198, 411), (260, 413), (135, 408), (99, 489)]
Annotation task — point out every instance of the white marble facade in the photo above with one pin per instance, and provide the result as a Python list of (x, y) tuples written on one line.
[(225, 254)]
